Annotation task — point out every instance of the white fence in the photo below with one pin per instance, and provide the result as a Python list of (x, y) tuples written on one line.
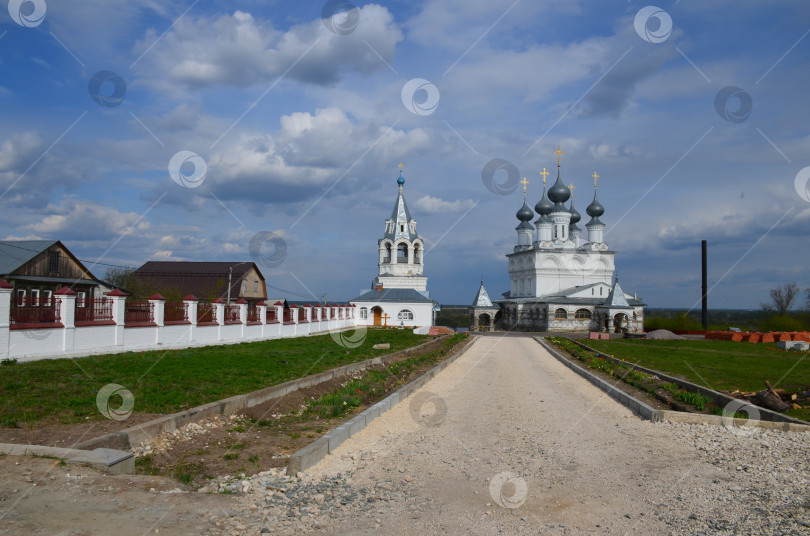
[(68, 338)]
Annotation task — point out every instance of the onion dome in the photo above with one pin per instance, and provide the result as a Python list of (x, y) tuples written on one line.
[(595, 209), (525, 213), (401, 179), (559, 194), (544, 207)]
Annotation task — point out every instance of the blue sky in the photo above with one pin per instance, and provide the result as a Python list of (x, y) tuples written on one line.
[(300, 123)]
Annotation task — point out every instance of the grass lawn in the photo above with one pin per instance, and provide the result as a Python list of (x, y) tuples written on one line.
[(719, 365), (172, 380)]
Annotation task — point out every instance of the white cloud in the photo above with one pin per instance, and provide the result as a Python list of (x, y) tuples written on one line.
[(87, 220), (430, 204), (242, 50)]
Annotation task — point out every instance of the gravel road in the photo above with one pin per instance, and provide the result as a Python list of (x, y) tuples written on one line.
[(509, 441)]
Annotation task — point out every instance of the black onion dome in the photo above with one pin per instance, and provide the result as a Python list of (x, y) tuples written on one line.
[(595, 209), (559, 193), (544, 207), (525, 213)]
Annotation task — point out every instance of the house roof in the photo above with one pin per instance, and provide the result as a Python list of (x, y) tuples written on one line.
[(199, 278), (614, 300), (15, 253), (393, 295)]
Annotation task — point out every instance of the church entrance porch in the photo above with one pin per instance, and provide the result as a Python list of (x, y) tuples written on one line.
[(620, 323), (377, 316)]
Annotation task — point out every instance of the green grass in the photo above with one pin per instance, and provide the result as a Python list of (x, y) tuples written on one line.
[(719, 365), (170, 381)]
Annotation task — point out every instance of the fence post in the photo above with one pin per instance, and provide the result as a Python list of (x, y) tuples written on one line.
[(191, 312), (119, 299), (67, 316), (220, 307), (158, 308), (6, 289), (242, 316)]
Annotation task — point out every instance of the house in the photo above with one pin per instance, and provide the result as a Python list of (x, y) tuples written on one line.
[(205, 280), (37, 268)]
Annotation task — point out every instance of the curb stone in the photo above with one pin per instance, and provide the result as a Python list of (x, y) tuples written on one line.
[(317, 450), (107, 460)]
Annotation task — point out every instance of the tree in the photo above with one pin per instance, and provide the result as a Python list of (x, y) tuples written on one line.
[(123, 278), (782, 298)]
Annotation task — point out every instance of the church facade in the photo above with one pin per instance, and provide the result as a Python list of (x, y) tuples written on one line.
[(559, 280), (398, 295)]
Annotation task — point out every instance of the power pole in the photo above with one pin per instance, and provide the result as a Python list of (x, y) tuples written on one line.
[(704, 287)]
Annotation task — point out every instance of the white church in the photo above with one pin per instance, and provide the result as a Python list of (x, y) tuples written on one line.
[(398, 296), (560, 281)]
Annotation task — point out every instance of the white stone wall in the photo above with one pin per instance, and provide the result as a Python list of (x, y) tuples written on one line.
[(422, 313), (68, 340)]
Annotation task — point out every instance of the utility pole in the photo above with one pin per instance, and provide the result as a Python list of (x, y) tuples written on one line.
[(704, 287)]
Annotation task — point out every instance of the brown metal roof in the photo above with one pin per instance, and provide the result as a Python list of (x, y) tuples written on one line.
[(206, 280)]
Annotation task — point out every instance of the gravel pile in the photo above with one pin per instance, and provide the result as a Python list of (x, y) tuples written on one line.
[(166, 440), (664, 335)]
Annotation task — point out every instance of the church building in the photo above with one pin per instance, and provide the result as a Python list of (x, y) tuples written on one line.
[(559, 280), (398, 295)]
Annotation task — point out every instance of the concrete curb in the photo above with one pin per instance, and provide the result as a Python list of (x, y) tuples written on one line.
[(325, 445), (126, 439), (107, 460), (647, 412)]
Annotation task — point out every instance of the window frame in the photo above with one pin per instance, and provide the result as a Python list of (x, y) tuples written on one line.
[(557, 314)]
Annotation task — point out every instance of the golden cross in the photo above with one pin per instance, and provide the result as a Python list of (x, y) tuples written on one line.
[(401, 165), (544, 173), (571, 187), (595, 178), (559, 153), (525, 183)]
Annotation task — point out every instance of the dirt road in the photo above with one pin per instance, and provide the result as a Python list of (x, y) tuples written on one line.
[(505, 441)]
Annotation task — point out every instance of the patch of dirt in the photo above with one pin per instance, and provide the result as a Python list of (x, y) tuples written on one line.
[(51, 433)]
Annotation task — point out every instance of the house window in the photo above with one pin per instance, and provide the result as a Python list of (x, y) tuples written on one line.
[(582, 314), (244, 286), (34, 296), (600, 291), (81, 299), (21, 296), (255, 286), (46, 297), (405, 314), (364, 312), (53, 262), (560, 314)]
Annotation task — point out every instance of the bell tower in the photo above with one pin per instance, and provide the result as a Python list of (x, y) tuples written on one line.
[(402, 251)]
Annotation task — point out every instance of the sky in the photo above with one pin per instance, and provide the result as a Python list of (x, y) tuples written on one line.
[(272, 131)]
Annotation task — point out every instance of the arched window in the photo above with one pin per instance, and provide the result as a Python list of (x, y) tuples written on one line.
[(560, 314), (402, 253), (405, 314), (582, 314), (364, 312), (417, 254), (388, 253)]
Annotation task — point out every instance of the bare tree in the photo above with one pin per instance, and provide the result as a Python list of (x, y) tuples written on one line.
[(782, 298)]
